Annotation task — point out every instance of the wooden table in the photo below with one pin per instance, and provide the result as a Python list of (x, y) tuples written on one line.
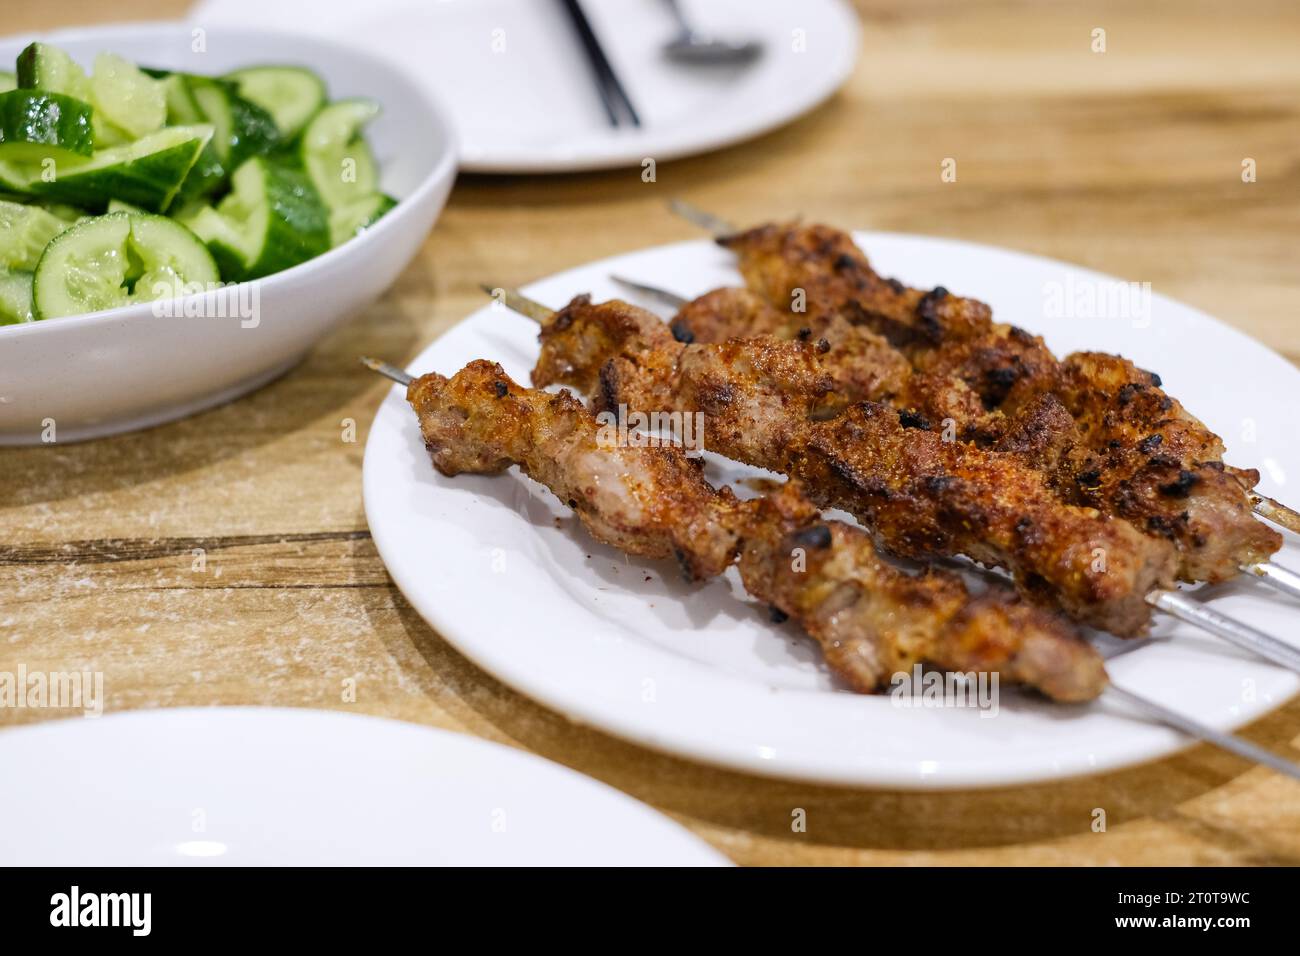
[(1128, 161)]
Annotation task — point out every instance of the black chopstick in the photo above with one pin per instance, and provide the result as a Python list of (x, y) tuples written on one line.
[(611, 90)]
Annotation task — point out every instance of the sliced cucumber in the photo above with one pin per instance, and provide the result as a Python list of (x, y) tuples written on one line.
[(69, 214), (291, 94), (182, 109), (14, 177), (116, 205), (243, 129), (45, 67), (147, 173), (36, 125), (273, 219), (15, 298), (25, 231), (356, 217), (209, 173), (336, 155), (108, 134), (126, 98), (114, 260), (8, 81), (174, 261), (86, 271)]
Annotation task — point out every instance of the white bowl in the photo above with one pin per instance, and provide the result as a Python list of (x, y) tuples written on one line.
[(106, 372)]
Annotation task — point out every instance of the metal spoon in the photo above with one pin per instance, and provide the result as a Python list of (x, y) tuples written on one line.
[(692, 46)]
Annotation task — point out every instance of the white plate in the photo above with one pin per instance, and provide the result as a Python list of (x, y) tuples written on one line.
[(500, 569), (515, 79), (265, 786), (107, 372)]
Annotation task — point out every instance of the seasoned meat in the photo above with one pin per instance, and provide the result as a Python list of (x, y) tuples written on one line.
[(871, 619), (1129, 450), (921, 496)]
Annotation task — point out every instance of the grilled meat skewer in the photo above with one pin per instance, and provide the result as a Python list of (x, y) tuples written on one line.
[(1114, 440), (922, 497), (871, 619), (586, 340)]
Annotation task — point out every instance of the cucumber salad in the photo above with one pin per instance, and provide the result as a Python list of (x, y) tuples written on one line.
[(123, 184)]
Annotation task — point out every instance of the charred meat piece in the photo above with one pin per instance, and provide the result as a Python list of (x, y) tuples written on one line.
[(871, 619)]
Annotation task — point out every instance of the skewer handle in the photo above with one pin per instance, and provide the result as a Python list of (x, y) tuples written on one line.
[(1229, 742), (516, 302), (663, 296), (390, 371), (1275, 511), (710, 223), (1231, 630), (1275, 576)]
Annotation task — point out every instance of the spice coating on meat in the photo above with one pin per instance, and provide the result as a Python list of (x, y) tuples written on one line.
[(1157, 465), (1106, 457), (652, 501), (871, 618), (847, 599), (921, 496), (825, 268), (862, 362)]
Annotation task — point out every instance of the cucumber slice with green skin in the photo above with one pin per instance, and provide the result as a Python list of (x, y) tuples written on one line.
[(119, 259), (126, 98), (16, 298), (147, 173), (243, 129), (273, 219), (336, 155), (36, 125), (208, 175), (25, 231), (45, 67), (358, 216), (8, 81), (291, 94)]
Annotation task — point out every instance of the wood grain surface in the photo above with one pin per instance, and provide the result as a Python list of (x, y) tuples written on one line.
[(1127, 161)]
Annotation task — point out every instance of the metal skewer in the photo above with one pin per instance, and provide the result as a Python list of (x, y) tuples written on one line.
[(1275, 576), (1194, 728), (1275, 511), (1180, 606), (391, 371), (1191, 728), (1173, 603), (670, 299)]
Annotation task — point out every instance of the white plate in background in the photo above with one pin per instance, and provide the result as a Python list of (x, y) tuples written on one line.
[(257, 786), (516, 81), (508, 576)]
